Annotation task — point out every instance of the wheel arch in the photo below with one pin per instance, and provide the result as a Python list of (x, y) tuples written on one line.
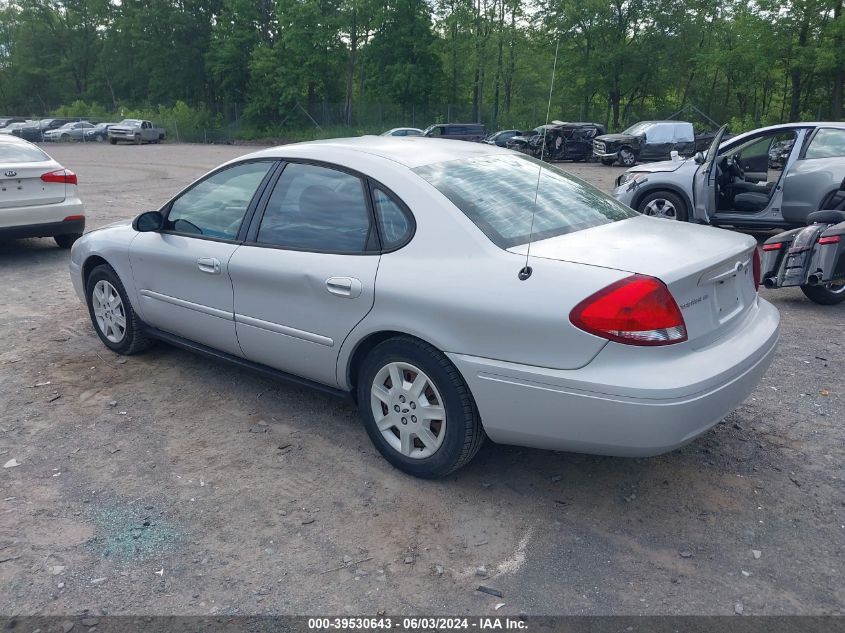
[(90, 263), (642, 192), (352, 365)]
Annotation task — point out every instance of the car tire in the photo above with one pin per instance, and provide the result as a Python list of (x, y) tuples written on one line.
[(64, 138), (452, 441), (627, 157), (137, 139), (608, 161), (824, 295), (126, 340), (665, 205), (113, 141), (66, 240)]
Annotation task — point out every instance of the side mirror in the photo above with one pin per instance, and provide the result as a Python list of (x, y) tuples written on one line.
[(699, 158), (149, 221)]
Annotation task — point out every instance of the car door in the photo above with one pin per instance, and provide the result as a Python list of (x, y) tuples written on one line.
[(181, 272), (658, 142), (306, 275), (814, 173), (704, 180)]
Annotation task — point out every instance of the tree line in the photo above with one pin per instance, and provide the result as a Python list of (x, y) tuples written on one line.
[(272, 63)]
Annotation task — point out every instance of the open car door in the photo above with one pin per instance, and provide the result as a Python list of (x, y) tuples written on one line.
[(704, 181)]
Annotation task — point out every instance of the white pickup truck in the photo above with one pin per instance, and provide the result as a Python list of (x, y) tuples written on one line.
[(135, 131)]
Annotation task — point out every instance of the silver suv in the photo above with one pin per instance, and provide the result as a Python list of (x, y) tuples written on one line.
[(737, 183)]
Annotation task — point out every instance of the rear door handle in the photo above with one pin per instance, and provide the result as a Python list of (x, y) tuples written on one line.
[(209, 265), (348, 287)]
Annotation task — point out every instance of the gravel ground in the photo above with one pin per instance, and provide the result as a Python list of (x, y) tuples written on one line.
[(168, 484)]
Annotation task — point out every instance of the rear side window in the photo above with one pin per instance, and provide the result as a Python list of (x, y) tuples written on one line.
[(497, 194), (394, 225), (314, 208), (827, 143), (21, 153)]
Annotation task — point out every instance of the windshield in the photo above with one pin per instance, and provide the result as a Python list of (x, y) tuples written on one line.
[(130, 122), (497, 194), (638, 128)]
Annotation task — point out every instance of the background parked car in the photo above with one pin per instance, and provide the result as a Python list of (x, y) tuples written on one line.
[(68, 132), (646, 140), (34, 130), (135, 131), (457, 131), (563, 141), (99, 132), (40, 197), (403, 131), (502, 137), (13, 128), (8, 120)]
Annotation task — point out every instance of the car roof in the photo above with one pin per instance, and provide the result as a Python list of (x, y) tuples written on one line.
[(796, 125), (410, 151)]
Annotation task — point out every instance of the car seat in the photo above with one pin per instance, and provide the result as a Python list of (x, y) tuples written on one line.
[(750, 201)]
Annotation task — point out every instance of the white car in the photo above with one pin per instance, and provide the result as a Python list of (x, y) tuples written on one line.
[(38, 197), (403, 131), (394, 271)]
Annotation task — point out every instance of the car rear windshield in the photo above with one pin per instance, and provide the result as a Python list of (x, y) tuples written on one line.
[(20, 153), (497, 194)]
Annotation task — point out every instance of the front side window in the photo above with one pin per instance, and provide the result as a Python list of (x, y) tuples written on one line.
[(216, 206), (497, 194), (827, 143), (316, 208), (661, 133)]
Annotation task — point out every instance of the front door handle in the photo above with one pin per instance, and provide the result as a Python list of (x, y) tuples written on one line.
[(348, 287), (209, 265)]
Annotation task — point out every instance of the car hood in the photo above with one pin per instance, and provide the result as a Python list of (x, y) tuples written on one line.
[(112, 225), (615, 138), (665, 166)]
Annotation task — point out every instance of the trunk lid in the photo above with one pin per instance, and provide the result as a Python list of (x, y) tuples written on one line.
[(709, 271), (21, 185)]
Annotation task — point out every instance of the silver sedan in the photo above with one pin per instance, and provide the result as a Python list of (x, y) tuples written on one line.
[(398, 272)]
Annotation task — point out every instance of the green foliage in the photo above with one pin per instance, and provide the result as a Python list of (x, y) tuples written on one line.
[(304, 68)]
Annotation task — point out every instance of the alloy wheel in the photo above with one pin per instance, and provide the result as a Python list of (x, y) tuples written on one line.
[(408, 410), (109, 311), (661, 208)]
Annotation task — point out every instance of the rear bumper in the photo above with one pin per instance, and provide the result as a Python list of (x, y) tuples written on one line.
[(44, 229), (628, 401)]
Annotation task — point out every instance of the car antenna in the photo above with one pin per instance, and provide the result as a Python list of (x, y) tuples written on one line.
[(525, 271)]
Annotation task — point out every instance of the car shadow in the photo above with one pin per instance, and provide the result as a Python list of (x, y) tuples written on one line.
[(42, 249)]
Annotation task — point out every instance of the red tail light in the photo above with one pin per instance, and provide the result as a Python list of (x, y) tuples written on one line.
[(830, 239), (637, 310), (755, 267), (60, 175), (772, 247)]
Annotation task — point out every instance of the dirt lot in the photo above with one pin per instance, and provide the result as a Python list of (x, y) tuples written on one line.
[(168, 484)]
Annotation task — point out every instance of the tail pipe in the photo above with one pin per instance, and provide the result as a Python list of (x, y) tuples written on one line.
[(814, 280), (770, 282)]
